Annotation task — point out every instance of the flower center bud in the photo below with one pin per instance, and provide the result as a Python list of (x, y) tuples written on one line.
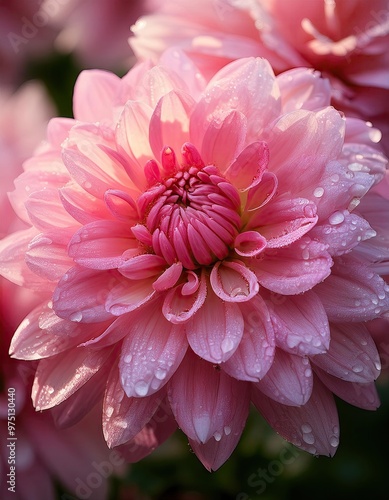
[(192, 216)]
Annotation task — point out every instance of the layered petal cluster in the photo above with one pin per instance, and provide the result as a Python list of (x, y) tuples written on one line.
[(199, 241), (346, 40)]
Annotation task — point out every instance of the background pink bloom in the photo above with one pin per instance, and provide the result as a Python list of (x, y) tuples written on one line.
[(23, 34), (346, 40), (96, 31), (200, 242), (44, 454)]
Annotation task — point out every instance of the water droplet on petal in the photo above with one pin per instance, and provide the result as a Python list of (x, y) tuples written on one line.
[(227, 345), (336, 218), (309, 438), (128, 358), (217, 436), (318, 193), (141, 388), (160, 373), (77, 316), (227, 430), (50, 390), (306, 428), (334, 441), (109, 411)]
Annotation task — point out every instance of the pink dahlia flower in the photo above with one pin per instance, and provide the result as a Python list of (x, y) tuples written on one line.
[(346, 40), (200, 244)]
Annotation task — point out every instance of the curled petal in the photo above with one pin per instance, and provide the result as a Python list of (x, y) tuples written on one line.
[(233, 281), (183, 301), (249, 244)]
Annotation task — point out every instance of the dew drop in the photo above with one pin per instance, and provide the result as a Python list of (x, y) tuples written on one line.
[(308, 372), (335, 178), (109, 411), (141, 388), (334, 441), (128, 358), (357, 368), (306, 428), (336, 218), (318, 193), (50, 390), (227, 345), (305, 254), (77, 316), (160, 373), (227, 430), (217, 436), (308, 438)]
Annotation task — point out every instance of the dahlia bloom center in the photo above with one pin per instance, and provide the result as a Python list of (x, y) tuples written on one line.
[(191, 216)]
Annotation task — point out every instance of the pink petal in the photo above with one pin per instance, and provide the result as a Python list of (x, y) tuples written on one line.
[(82, 206), (259, 195), (98, 167), (101, 244), (128, 295), (240, 78), (12, 260), (363, 396), (248, 168), (284, 221), (142, 266), (352, 354), (169, 278), (58, 377), (42, 334), (313, 427), (215, 331), (80, 295), (346, 234), (154, 433), (79, 404), (249, 244), (299, 138), (183, 301), (303, 88), (122, 206), (255, 353), (289, 380), (206, 402), (233, 281), (95, 86), (47, 254), (353, 292), (224, 139), (132, 138), (46, 211), (301, 325), (151, 352), (294, 269), (124, 417), (169, 124)]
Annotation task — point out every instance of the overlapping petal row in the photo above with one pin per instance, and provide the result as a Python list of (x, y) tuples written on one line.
[(204, 248)]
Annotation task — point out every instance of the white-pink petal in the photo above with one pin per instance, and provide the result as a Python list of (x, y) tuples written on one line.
[(255, 353), (216, 329), (151, 352), (233, 281), (206, 401)]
